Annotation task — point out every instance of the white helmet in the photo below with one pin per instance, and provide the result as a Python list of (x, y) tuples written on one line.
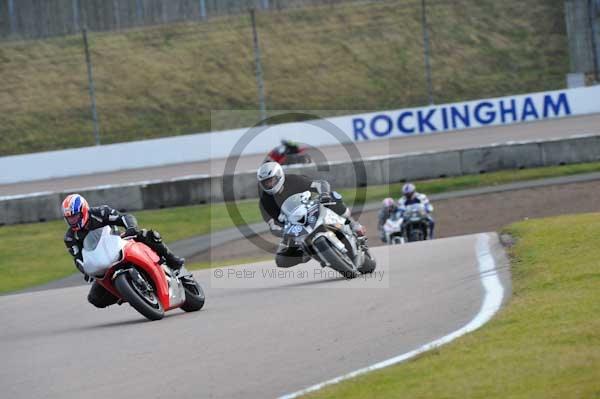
[(408, 189), (270, 177)]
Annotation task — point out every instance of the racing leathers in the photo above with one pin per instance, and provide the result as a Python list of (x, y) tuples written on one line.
[(418, 198), (270, 208), (106, 216)]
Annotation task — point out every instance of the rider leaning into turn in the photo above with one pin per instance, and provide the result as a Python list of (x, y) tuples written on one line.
[(276, 187), (82, 219), (389, 208), (411, 196)]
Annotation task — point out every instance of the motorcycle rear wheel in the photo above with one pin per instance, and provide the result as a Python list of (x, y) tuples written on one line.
[(149, 308), (335, 259)]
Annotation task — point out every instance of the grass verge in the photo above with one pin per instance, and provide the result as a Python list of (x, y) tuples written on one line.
[(33, 254), (544, 344), (164, 80)]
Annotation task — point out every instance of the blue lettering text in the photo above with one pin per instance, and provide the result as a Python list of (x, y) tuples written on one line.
[(359, 129), (464, 118), (423, 121), (401, 125), (529, 109), (388, 125), (512, 110), (488, 117), (562, 102), (445, 118)]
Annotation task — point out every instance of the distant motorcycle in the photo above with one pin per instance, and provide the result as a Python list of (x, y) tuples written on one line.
[(288, 153), (392, 229), (131, 271), (415, 223), (324, 235)]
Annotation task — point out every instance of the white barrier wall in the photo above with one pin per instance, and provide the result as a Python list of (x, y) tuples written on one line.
[(357, 128)]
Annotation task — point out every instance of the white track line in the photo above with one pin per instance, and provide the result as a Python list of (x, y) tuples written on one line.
[(494, 294)]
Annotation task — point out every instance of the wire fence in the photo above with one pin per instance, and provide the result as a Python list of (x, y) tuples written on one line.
[(46, 18), (165, 80), (583, 27)]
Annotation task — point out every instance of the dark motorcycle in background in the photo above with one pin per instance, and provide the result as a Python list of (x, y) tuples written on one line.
[(415, 223), (324, 235), (289, 153)]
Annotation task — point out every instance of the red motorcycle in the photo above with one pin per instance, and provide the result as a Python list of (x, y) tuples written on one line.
[(288, 153), (133, 273)]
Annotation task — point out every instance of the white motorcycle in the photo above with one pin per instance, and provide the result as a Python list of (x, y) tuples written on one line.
[(392, 229), (324, 235)]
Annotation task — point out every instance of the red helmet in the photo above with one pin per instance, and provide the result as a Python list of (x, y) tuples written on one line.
[(76, 211)]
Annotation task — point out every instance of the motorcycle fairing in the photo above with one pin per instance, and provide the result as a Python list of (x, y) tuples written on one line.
[(101, 250), (144, 258)]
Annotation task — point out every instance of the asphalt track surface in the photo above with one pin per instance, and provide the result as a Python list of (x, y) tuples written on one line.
[(542, 130), (259, 335)]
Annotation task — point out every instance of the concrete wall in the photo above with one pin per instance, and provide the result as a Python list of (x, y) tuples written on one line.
[(383, 170)]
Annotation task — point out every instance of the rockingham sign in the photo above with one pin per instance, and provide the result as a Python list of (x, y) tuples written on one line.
[(351, 128), (499, 111)]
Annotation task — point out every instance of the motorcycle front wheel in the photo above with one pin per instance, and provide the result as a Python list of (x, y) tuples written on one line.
[(194, 296), (139, 296), (368, 265), (337, 261)]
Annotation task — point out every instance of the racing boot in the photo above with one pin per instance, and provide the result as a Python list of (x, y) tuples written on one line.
[(154, 241), (174, 262)]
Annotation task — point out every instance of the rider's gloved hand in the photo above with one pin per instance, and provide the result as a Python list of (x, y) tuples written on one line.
[(325, 198), (86, 277), (130, 232)]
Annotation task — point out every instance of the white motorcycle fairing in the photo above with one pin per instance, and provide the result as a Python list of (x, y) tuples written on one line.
[(102, 249)]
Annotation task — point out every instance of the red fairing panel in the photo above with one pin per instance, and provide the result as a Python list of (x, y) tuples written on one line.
[(144, 258)]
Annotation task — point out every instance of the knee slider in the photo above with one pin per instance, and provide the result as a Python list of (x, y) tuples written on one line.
[(95, 302)]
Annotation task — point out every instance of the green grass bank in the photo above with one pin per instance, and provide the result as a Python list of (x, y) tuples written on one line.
[(165, 80)]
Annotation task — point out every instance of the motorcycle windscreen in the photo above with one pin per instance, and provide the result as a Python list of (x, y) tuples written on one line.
[(414, 211), (295, 208), (101, 249)]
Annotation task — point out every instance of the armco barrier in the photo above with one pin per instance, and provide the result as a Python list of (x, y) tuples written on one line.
[(382, 170)]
